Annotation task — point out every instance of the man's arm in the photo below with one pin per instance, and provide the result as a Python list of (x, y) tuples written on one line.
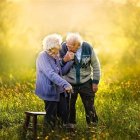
[(96, 70), (66, 59), (65, 55)]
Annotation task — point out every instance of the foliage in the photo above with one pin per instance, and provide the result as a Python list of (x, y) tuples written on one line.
[(115, 36)]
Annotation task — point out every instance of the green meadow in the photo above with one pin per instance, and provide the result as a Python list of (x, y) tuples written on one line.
[(112, 27)]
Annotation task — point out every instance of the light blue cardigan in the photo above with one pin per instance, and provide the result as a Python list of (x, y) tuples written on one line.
[(49, 84)]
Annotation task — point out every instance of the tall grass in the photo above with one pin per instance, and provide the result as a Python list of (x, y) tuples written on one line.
[(117, 105), (115, 36)]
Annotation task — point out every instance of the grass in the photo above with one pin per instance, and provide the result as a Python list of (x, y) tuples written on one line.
[(117, 103)]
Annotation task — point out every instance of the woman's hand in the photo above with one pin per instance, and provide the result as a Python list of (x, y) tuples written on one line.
[(69, 89)]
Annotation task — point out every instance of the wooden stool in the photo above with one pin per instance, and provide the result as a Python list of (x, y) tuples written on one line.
[(34, 121)]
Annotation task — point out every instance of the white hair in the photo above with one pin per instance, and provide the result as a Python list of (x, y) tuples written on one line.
[(74, 37), (52, 41)]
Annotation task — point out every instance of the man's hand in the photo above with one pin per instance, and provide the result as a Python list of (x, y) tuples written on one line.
[(95, 87), (69, 56)]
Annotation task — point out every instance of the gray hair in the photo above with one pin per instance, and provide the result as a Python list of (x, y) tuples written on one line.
[(74, 37), (51, 41)]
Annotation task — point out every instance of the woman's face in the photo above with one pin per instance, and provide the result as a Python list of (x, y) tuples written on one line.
[(54, 52)]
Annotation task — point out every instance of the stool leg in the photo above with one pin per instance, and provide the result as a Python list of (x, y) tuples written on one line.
[(35, 127), (27, 120)]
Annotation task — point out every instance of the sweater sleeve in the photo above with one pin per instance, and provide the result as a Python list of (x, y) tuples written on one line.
[(44, 66), (62, 53), (96, 67), (66, 68)]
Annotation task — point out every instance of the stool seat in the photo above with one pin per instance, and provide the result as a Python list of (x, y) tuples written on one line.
[(35, 113), (34, 122)]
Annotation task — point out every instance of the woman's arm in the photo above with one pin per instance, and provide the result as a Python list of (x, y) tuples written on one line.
[(44, 66), (66, 68)]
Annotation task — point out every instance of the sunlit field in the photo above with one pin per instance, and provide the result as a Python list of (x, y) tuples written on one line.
[(112, 27)]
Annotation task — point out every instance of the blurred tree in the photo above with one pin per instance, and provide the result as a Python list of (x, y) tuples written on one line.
[(131, 29), (7, 21), (17, 41)]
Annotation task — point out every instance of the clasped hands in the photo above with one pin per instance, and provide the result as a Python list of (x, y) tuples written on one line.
[(69, 56)]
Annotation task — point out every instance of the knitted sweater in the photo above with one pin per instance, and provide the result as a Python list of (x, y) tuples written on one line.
[(49, 82), (87, 68)]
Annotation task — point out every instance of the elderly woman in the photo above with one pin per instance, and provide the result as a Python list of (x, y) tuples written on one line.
[(50, 86)]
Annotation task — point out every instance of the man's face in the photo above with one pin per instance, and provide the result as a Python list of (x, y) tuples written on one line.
[(72, 46)]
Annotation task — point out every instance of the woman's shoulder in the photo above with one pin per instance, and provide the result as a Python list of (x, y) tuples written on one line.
[(42, 54)]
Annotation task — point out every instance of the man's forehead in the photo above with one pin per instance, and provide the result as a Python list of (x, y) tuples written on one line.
[(70, 42)]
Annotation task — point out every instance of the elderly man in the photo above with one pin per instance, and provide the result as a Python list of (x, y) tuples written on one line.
[(85, 64)]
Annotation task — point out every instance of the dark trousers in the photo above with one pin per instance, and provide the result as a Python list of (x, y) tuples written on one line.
[(87, 96), (56, 112)]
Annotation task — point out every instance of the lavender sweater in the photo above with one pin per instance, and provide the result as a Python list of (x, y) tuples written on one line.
[(49, 83)]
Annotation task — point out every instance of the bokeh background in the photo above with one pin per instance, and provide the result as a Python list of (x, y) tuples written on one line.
[(111, 26)]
